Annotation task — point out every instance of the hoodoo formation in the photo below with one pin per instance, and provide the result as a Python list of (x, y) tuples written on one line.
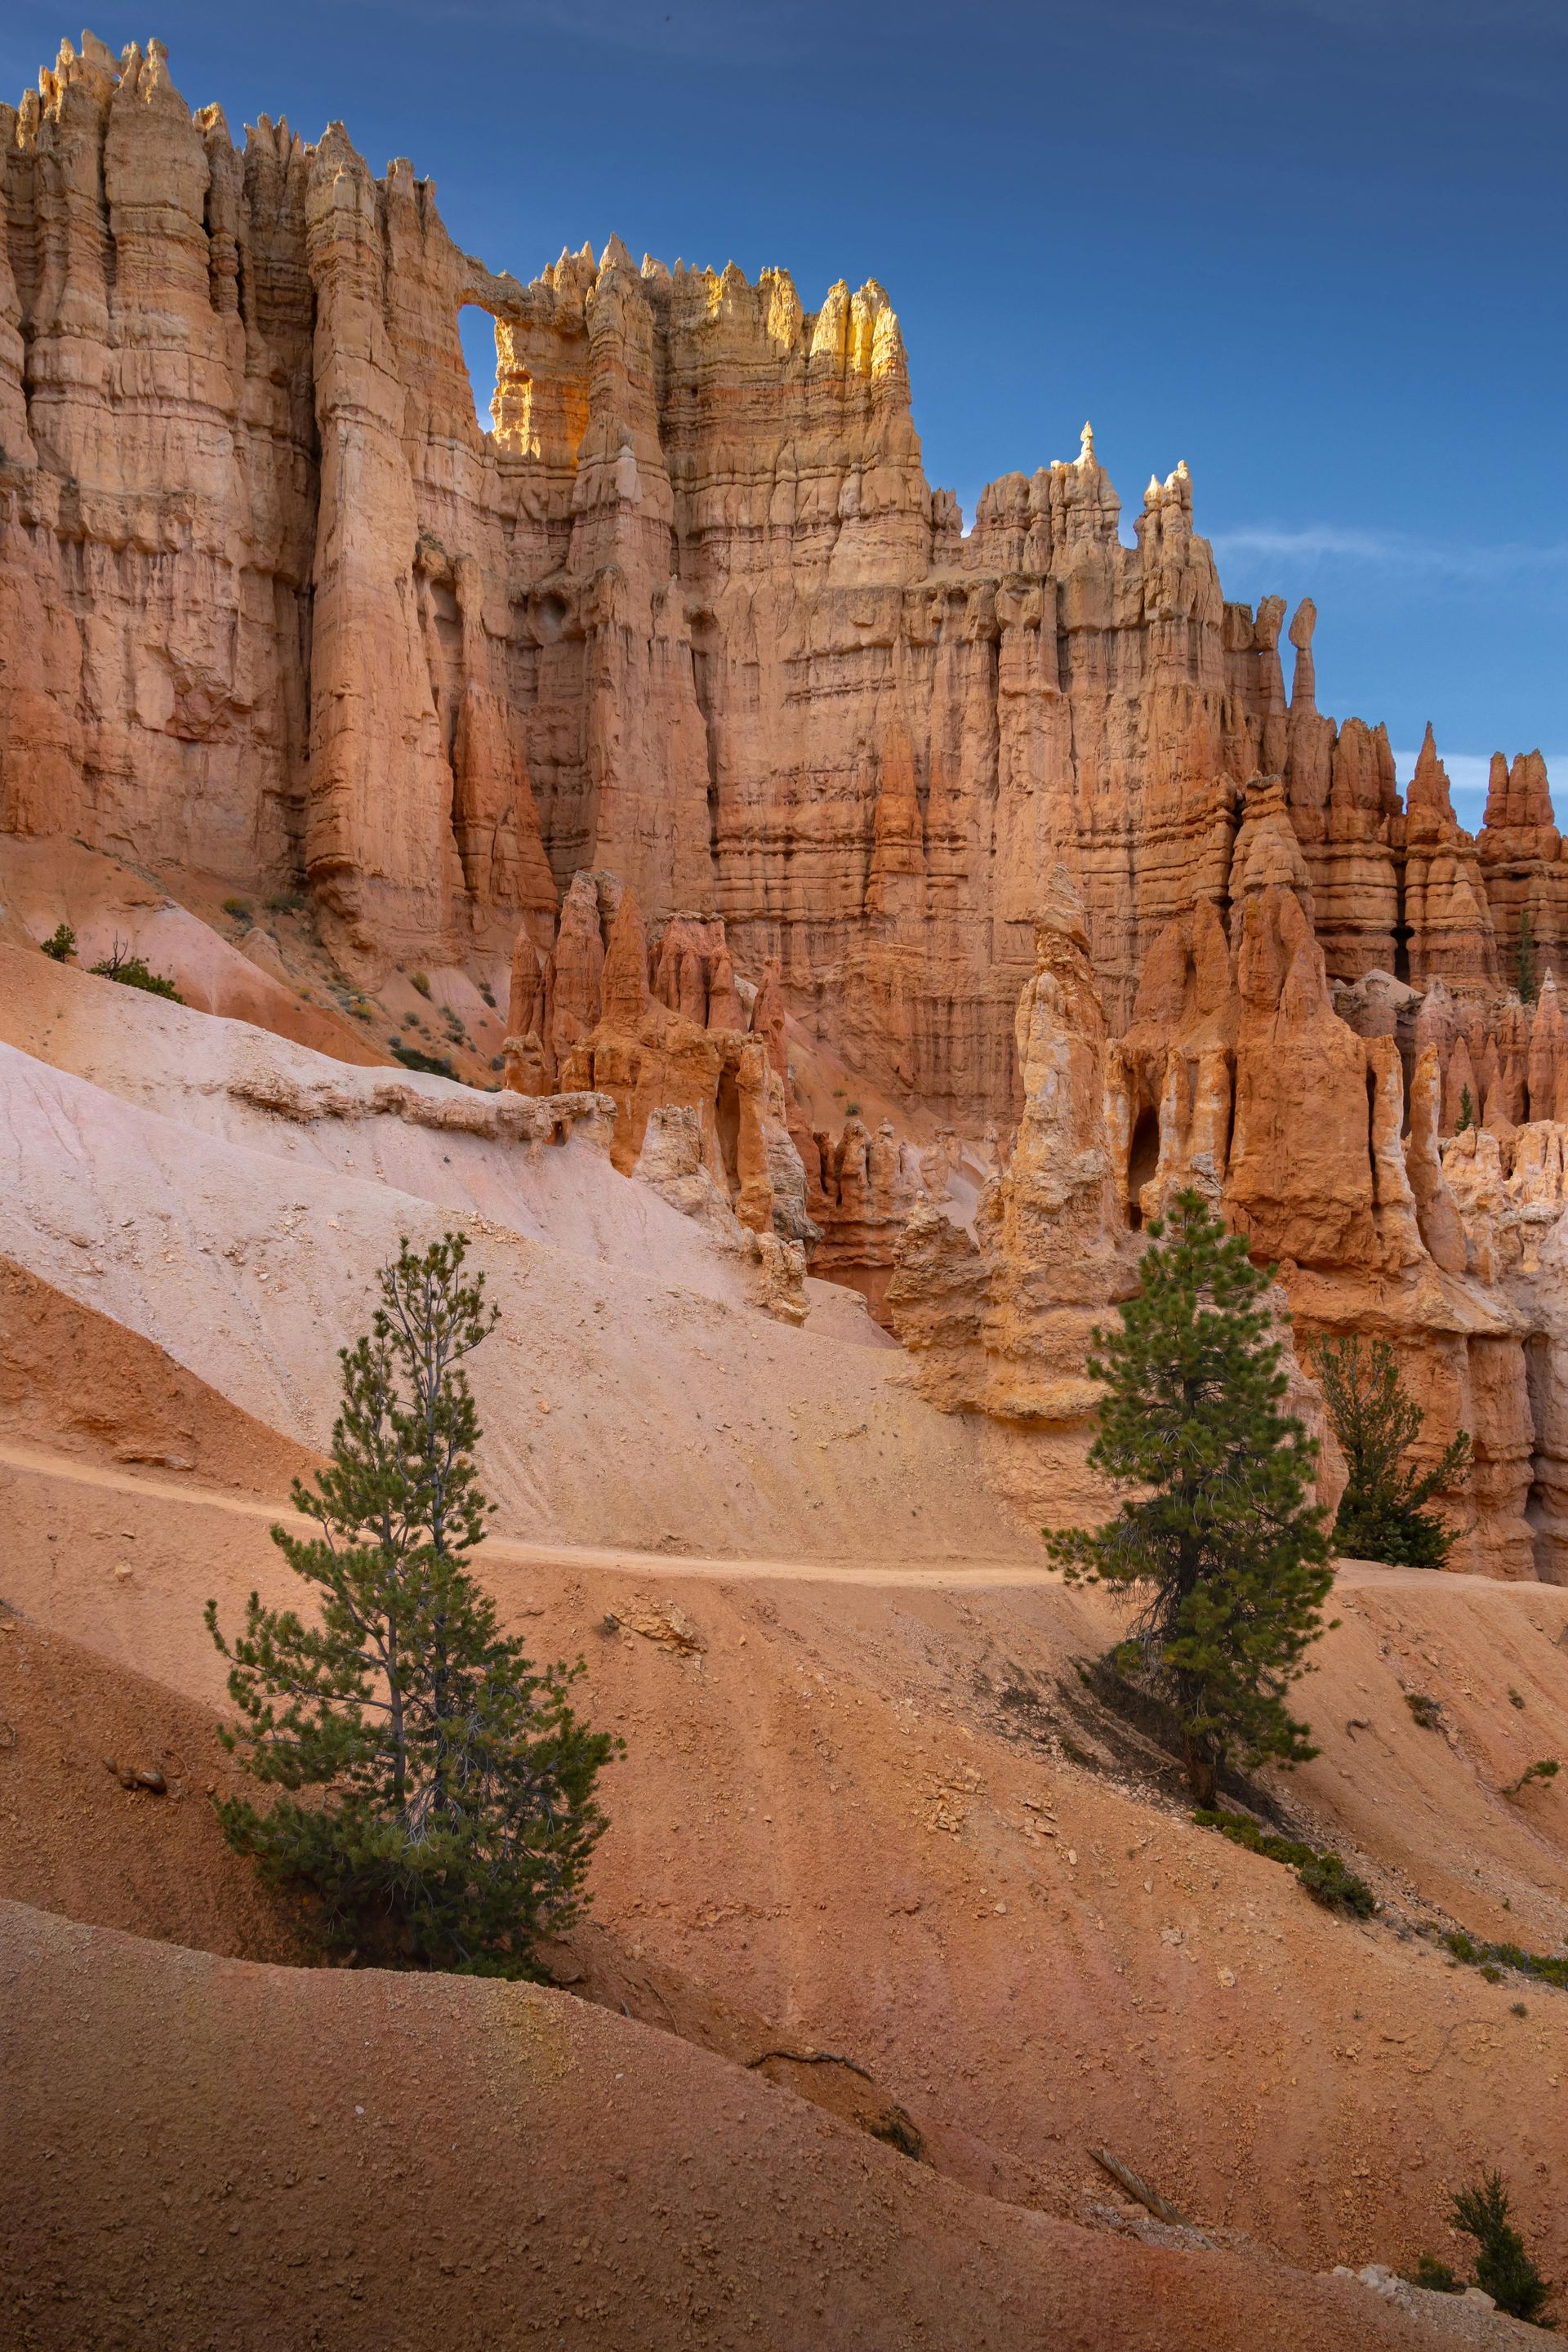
[(687, 642), (657, 834)]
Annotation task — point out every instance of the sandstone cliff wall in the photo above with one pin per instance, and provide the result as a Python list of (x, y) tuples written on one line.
[(272, 606), (684, 690)]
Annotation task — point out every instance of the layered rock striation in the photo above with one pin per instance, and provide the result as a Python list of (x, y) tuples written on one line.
[(682, 691), (274, 606), (1238, 1078)]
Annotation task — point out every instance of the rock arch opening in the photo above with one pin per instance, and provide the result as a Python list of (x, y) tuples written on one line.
[(477, 333)]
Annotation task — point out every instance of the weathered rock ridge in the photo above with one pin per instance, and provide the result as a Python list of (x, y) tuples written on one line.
[(682, 692)]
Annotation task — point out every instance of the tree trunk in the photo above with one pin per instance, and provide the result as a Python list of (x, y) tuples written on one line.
[(1202, 1778)]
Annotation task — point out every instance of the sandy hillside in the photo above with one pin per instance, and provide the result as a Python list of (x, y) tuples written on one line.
[(635, 1394), (868, 1809), (86, 1829), (76, 1381), (850, 1803), (262, 2157), (110, 905)]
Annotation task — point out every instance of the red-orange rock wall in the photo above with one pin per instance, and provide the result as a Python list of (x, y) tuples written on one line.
[(690, 624)]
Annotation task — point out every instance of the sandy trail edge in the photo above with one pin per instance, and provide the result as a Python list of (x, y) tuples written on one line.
[(977, 1575)]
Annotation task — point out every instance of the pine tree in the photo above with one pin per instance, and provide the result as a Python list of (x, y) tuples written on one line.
[(1527, 965), (455, 1816), (1503, 2268), (1467, 1111), (1222, 1550), (1383, 1512)]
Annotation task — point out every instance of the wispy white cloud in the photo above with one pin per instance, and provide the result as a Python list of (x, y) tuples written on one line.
[(1393, 550)]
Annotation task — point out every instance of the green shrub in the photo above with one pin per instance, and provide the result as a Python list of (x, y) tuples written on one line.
[(1546, 1768), (238, 908), (1328, 1881), (411, 1058), (1383, 1512), (1426, 1711), (1242, 1830), (452, 1814), (1434, 2276), (131, 971), (418, 979), (60, 945), (1548, 1967), (1323, 1874), (1503, 2268)]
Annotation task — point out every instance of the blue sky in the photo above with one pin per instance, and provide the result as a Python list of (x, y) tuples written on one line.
[(1314, 246)]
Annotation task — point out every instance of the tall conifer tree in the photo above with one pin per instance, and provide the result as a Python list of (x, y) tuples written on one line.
[(456, 1815), (1220, 1548)]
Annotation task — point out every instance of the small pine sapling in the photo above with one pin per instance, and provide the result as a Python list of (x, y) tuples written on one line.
[(1467, 1111), (1503, 2268), (60, 945), (133, 971)]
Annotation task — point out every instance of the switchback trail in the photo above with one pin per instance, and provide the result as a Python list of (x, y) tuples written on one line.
[(956, 1575)]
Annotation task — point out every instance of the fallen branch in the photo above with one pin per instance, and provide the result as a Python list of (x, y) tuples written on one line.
[(812, 2058), (1139, 2190)]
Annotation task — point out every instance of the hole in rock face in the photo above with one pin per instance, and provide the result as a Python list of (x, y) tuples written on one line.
[(1142, 1161), (476, 329), (550, 617)]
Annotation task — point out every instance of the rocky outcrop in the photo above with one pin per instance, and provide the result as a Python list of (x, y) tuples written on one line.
[(860, 1190), (1001, 1323), (1238, 1077), (673, 1162), (661, 1031), (1520, 853)]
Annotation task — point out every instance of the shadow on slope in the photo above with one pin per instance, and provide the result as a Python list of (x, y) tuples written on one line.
[(362, 2160)]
